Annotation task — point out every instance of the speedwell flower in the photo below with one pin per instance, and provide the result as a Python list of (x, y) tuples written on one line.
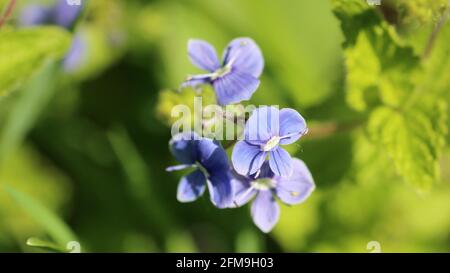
[(236, 78), (60, 13), (211, 169), (267, 129), (63, 15), (267, 187)]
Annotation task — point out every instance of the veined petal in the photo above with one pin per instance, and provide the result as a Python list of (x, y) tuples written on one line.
[(234, 87), (265, 211), (191, 186), (296, 188), (220, 189), (262, 125), (243, 192), (247, 159), (183, 147), (292, 126), (265, 171), (245, 55), (212, 156), (203, 55), (280, 162)]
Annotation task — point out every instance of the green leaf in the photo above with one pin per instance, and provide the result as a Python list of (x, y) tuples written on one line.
[(54, 226), (25, 51), (383, 73), (413, 138), (380, 67), (46, 245), (27, 109)]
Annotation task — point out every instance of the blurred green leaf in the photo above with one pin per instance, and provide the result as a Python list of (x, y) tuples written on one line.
[(180, 242), (139, 178), (414, 139), (411, 126), (27, 109), (378, 64), (54, 226), (249, 241), (418, 12), (25, 51), (31, 173)]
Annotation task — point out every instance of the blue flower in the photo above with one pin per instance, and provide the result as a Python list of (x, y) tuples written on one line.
[(61, 14), (211, 169), (77, 54), (236, 78), (64, 15), (267, 187), (267, 129)]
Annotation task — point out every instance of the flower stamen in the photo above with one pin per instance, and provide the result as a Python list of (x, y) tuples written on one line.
[(221, 72), (264, 184), (271, 144)]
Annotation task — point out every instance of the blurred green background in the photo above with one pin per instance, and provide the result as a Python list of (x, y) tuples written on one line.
[(82, 154)]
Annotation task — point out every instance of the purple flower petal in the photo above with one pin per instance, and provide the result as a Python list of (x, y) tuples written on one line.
[(262, 125), (265, 171), (280, 162), (203, 55), (245, 55), (183, 148), (235, 86), (77, 54), (212, 156), (265, 211), (298, 186), (179, 167), (35, 15), (247, 159), (191, 186), (220, 189), (292, 126), (243, 192), (197, 80), (65, 14)]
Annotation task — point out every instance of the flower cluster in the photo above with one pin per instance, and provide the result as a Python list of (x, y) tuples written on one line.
[(261, 169)]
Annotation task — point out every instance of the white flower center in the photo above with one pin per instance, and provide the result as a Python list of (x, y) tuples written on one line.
[(221, 71), (264, 184), (272, 143)]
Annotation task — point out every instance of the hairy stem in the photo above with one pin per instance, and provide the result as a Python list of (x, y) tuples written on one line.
[(9, 10), (328, 129), (320, 131), (432, 40)]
